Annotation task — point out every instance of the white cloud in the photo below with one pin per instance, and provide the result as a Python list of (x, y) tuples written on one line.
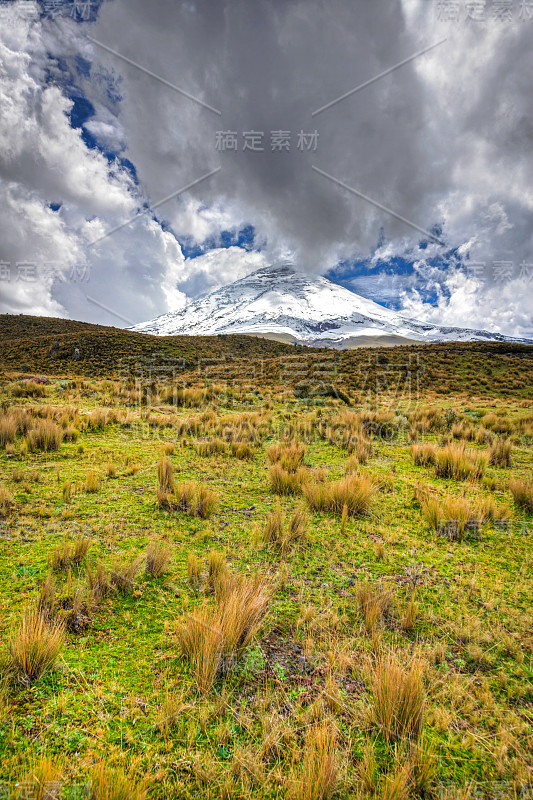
[(443, 140)]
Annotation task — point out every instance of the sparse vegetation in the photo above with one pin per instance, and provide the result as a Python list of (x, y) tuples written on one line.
[(389, 649)]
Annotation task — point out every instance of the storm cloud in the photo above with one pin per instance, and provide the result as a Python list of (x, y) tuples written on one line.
[(443, 141)]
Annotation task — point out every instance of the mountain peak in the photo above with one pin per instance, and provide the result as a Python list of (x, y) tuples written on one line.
[(279, 301)]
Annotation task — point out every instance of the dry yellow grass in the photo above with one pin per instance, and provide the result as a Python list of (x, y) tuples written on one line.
[(500, 453), (214, 636), (112, 784), (522, 492), (34, 648), (284, 482), (190, 497), (43, 773), (373, 603), (165, 475), (356, 492), (319, 769), (456, 462), (45, 435), (157, 558), (397, 705), (123, 575), (289, 456), (282, 535), (423, 454)]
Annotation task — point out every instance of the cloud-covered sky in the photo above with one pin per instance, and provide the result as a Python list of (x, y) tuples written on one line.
[(89, 139)]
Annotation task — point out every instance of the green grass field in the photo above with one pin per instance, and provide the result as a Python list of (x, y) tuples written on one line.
[(389, 651)]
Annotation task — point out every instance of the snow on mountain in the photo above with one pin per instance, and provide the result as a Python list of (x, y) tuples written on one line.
[(280, 302)]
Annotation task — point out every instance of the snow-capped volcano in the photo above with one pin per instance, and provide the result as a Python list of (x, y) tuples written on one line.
[(280, 302)]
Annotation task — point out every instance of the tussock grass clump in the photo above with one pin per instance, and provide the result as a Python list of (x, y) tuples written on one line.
[(356, 492), (456, 462), (210, 447), (99, 582), (242, 603), (360, 449), (397, 706), (28, 389), (216, 568), (67, 491), (423, 454), (319, 770), (455, 516), (65, 556), (373, 602), (165, 475), (107, 784), (157, 559), (37, 782), (8, 428), (98, 419), (123, 575), (70, 605), (45, 435), (410, 615), (288, 456), (47, 595), (285, 482), (172, 711), (215, 636), (201, 643), (522, 492), (281, 535), (6, 500), (194, 570), (488, 510), (500, 453), (190, 497), (92, 481), (242, 450), (448, 515), (33, 649)]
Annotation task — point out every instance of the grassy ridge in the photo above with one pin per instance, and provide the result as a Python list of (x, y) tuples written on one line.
[(477, 368)]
